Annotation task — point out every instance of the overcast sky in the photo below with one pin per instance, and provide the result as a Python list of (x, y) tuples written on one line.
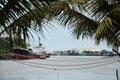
[(61, 39)]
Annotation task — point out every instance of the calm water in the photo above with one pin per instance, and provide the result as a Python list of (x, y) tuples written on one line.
[(67, 68)]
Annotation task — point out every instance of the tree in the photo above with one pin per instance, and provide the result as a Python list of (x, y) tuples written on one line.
[(18, 18), (87, 18), (99, 19), (5, 44), (107, 13)]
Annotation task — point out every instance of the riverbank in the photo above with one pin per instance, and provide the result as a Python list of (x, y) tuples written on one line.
[(6, 56)]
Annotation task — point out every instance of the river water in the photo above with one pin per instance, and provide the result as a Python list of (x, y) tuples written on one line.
[(61, 68)]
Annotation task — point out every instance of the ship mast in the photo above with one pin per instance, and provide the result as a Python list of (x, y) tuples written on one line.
[(39, 42)]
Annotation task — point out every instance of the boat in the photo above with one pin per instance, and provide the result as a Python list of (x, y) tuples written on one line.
[(40, 50), (37, 52), (24, 54)]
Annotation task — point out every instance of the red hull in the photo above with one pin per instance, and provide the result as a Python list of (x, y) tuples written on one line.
[(19, 56)]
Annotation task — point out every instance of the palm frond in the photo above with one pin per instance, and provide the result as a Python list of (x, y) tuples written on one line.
[(107, 31), (25, 15), (115, 14), (104, 31), (69, 15), (98, 8), (104, 26)]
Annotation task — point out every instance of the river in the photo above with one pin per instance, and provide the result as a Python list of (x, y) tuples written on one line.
[(61, 68)]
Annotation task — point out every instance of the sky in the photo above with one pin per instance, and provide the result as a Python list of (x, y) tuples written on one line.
[(61, 39)]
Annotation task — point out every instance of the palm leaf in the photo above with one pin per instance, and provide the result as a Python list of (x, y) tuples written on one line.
[(23, 14), (68, 15), (103, 26), (20, 17)]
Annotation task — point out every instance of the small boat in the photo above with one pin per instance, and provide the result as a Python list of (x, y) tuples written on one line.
[(24, 54)]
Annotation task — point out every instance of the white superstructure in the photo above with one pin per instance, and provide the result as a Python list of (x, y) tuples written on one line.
[(39, 49)]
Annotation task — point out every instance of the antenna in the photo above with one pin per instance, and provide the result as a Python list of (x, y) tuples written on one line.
[(39, 40)]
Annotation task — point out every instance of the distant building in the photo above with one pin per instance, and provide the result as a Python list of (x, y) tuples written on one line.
[(85, 51)]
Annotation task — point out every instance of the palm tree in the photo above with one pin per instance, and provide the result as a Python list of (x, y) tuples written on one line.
[(18, 18), (107, 13), (87, 18), (99, 19)]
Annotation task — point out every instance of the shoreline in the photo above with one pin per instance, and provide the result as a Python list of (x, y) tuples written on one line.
[(10, 57)]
